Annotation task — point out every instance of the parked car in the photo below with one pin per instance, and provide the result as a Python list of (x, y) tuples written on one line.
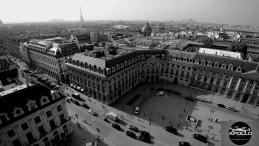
[(171, 129), (192, 119), (201, 138), (136, 111), (160, 93), (145, 136), (69, 99), (76, 102), (221, 105), (85, 106), (189, 98), (131, 134), (91, 144), (184, 143), (116, 126), (134, 128), (93, 113)]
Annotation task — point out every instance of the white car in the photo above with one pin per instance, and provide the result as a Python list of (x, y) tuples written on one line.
[(136, 111), (92, 112), (160, 93)]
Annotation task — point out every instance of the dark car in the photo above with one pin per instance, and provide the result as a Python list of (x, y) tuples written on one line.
[(171, 129), (131, 134), (116, 126), (221, 105), (77, 102), (200, 138), (184, 143), (85, 106), (134, 128), (145, 136), (189, 98)]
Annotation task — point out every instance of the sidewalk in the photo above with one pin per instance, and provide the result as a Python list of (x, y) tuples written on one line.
[(80, 136)]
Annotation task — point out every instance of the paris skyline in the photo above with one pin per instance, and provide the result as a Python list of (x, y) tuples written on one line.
[(214, 11)]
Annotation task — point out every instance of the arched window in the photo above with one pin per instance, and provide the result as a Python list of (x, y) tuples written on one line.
[(44, 100), (17, 111), (239, 69)]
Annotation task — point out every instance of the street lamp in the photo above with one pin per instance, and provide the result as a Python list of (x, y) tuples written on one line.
[(98, 134), (211, 111)]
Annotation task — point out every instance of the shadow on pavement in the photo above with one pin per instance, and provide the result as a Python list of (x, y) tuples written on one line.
[(121, 122)]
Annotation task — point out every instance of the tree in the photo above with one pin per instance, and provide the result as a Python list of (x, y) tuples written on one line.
[(207, 42)]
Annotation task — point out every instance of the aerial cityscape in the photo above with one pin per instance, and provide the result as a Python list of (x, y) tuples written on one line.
[(129, 73)]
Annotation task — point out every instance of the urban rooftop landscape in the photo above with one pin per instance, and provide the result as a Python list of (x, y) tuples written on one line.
[(129, 73)]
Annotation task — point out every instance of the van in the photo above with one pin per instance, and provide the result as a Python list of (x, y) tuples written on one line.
[(112, 116)]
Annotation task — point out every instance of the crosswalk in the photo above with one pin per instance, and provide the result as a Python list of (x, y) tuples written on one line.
[(92, 119)]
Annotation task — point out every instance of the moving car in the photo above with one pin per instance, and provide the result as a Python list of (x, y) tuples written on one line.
[(201, 138), (221, 105), (131, 134), (92, 113), (133, 128), (116, 126), (136, 111)]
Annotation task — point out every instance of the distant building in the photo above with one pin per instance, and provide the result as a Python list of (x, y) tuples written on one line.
[(107, 77), (49, 55), (252, 47), (146, 30), (33, 115), (220, 53), (9, 74)]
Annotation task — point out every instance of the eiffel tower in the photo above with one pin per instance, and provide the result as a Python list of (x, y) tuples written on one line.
[(81, 16)]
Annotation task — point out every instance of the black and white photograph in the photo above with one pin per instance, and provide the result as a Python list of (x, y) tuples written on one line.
[(129, 73)]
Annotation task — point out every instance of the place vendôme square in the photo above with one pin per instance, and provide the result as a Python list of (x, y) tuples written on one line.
[(129, 73)]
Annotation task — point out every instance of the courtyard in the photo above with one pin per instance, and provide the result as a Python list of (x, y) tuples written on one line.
[(171, 109)]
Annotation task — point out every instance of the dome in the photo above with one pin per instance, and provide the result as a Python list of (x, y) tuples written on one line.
[(146, 29)]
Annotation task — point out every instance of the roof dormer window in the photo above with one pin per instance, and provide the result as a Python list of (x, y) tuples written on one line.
[(17, 111), (44, 100), (31, 105), (238, 69), (3, 118)]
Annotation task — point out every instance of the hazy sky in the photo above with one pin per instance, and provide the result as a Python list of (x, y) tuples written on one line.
[(219, 11)]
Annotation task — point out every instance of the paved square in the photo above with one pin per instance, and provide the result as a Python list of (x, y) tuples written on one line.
[(172, 109)]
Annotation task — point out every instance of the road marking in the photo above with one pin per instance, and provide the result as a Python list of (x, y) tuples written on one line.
[(102, 112)]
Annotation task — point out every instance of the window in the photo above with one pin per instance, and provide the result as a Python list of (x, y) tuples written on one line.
[(10, 133), (37, 120), (59, 108), (3, 119), (49, 113), (24, 126), (17, 142), (42, 131), (30, 137)]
